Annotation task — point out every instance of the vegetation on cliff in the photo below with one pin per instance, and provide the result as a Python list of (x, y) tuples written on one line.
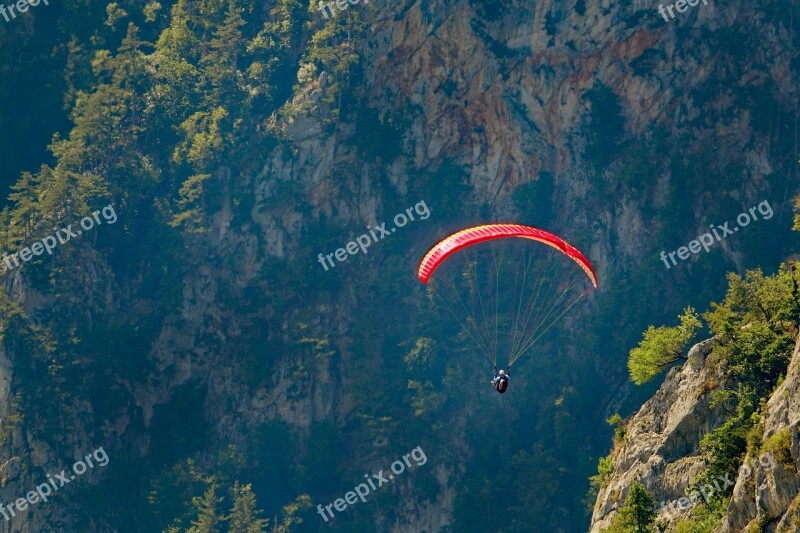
[(755, 329), (161, 338)]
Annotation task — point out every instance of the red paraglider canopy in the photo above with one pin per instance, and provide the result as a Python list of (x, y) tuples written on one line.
[(458, 241)]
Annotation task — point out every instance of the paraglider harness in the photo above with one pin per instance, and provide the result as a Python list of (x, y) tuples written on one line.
[(501, 383)]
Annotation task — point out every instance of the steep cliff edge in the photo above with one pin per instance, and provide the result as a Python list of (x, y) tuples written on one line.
[(225, 344), (771, 498), (661, 449)]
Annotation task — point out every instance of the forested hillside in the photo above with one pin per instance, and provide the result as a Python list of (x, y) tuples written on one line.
[(234, 380)]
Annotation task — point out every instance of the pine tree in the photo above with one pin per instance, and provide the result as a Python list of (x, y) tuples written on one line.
[(244, 517), (272, 48), (333, 50), (208, 520), (662, 346), (221, 62), (637, 514), (300, 504)]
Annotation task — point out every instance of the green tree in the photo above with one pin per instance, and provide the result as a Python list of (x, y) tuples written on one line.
[(618, 423), (756, 328), (191, 204), (637, 514), (244, 517), (272, 48), (176, 80), (208, 521), (333, 49), (774, 300), (300, 504), (605, 467), (114, 14), (221, 62), (662, 346)]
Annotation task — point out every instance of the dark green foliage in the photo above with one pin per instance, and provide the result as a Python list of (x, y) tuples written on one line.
[(534, 200), (452, 189), (272, 449), (639, 162), (380, 135), (605, 467), (323, 442), (607, 127), (179, 428), (475, 508), (172, 112), (723, 448), (258, 358), (332, 49), (756, 328), (637, 514), (662, 346)]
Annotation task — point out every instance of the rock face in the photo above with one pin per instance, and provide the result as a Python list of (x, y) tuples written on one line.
[(499, 90), (771, 500), (661, 450)]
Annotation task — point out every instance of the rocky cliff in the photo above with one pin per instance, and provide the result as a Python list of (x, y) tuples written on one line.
[(600, 120), (661, 449)]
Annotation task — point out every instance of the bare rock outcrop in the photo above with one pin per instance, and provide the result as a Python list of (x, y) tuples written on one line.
[(661, 450), (661, 443), (771, 501)]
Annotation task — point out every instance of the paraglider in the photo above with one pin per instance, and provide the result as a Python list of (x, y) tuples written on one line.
[(505, 291), (500, 381)]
